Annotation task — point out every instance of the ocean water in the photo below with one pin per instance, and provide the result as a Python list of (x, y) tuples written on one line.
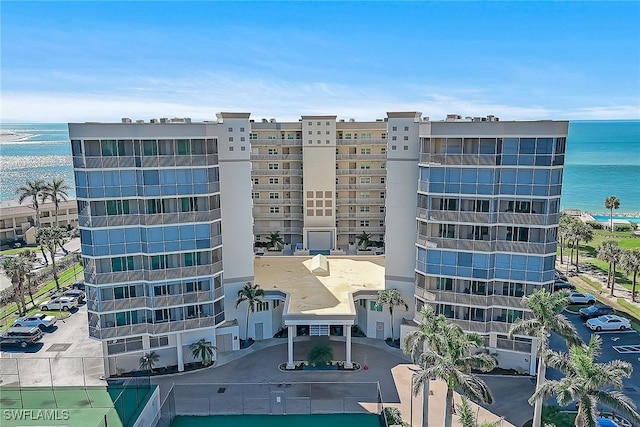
[(603, 159)]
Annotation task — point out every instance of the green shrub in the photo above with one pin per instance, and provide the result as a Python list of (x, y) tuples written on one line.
[(553, 415), (622, 227), (320, 355), (595, 225), (393, 416)]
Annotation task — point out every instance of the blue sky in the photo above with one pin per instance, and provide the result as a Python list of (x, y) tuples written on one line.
[(73, 61)]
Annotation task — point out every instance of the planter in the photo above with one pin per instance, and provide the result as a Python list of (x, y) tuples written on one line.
[(333, 366)]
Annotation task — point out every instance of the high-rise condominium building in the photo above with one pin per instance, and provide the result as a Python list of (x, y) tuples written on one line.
[(171, 213)]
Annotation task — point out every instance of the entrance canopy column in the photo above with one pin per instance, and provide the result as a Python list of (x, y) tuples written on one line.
[(348, 364), (290, 333)]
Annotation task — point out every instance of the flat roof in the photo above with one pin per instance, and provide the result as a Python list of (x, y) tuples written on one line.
[(311, 295)]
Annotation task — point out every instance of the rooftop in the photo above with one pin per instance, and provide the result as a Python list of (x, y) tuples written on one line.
[(326, 294)]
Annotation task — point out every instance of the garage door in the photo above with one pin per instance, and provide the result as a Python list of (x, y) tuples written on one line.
[(319, 241), (224, 342)]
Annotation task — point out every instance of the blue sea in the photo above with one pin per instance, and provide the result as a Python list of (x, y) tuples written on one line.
[(603, 158)]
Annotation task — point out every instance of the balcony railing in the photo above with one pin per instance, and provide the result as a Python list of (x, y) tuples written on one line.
[(151, 328), (283, 142), (293, 187), (461, 159), (148, 219), (290, 157), (374, 230), (361, 156), (527, 218), (125, 303), (526, 247), (178, 160), (360, 201), (277, 172), (277, 216), (378, 171), (358, 215), (279, 201), (361, 142), (153, 275), (284, 230), (452, 243)]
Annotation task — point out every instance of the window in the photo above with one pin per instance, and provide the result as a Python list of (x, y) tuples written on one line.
[(382, 194), (383, 165), (253, 136), (111, 147), (255, 181), (192, 258), (162, 315), (150, 147), (274, 209), (230, 139), (117, 207), (383, 150), (121, 292), (159, 262), (364, 195), (255, 195), (274, 180), (262, 306), (365, 150), (374, 307), (517, 234), (162, 341), (274, 166), (276, 303), (394, 128), (406, 128), (122, 264), (365, 180), (272, 151), (381, 209), (364, 223), (155, 206), (274, 195), (230, 129), (394, 138), (183, 146), (365, 209), (382, 180), (188, 204), (365, 166), (444, 283)]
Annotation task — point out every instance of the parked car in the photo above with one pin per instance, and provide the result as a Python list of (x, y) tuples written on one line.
[(595, 311), (559, 285), (78, 285), (73, 293), (59, 303), (39, 320), (580, 298), (21, 336), (610, 322)]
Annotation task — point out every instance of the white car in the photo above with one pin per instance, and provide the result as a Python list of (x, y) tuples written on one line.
[(610, 322), (580, 298), (59, 303), (40, 320)]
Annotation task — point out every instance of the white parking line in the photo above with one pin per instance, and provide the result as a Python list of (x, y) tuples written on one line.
[(627, 348)]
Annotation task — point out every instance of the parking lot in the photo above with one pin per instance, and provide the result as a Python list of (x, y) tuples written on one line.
[(615, 345), (68, 344)]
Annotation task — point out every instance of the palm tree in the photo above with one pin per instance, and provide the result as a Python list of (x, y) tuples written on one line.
[(545, 318), (589, 383), (563, 233), (16, 269), (252, 294), (611, 203), (468, 418), (320, 355), (56, 191), (148, 361), (275, 241), (630, 263), (364, 240), (35, 191), (52, 238), (581, 233), (203, 350), (29, 258), (416, 341), (610, 252), (392, 298), (451, 361)]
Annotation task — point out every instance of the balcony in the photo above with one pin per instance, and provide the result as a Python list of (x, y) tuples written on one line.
[(526, 247), (361, 215), (286, 201), (148, 219), (360, 201), (282, 142), (453, 243), (289, 157), (277, 216), (283, 230), (354, 186), (374, 230), (294, 187), (187, 298), (107, 162), (527, 218), (460, 159), (361, 157), (172, 160), (460, 298), (119, 277), (456, 216), (277, 172), (380, 172), (361, 142), (124, 304), (471, 326), (183, 272)]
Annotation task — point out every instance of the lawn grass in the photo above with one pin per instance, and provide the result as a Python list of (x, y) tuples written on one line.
[(65, 278), (16, 251)]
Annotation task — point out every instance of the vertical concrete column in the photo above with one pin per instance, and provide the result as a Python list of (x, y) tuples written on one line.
[(348, 364), (290, 331), (179, 350)]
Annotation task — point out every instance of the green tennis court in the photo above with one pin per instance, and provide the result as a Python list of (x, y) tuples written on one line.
[(72, 406), (319, 420)]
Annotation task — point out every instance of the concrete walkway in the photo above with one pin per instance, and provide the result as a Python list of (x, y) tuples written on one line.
[(387, 366)]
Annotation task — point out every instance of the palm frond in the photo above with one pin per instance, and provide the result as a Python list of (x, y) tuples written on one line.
[(620, 403)]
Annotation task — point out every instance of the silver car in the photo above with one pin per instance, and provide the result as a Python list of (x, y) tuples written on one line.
[(59, 303), (40, 320)]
